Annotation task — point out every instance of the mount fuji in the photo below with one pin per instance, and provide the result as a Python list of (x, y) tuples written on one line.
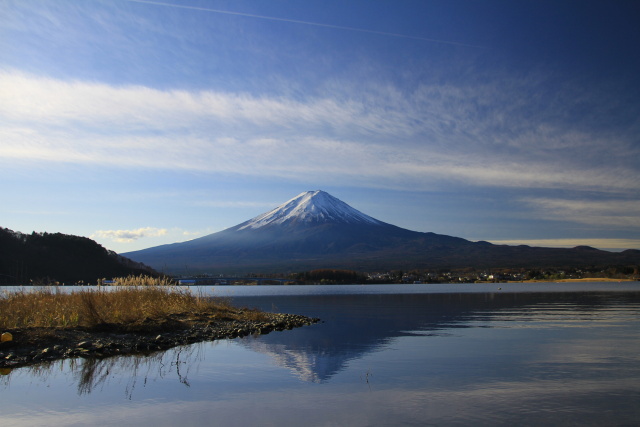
[(317, 230)]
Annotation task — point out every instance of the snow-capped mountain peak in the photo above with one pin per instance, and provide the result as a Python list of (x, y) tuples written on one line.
[(311, 207)]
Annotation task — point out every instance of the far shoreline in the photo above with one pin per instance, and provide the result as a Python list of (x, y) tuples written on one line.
[(586, 279)]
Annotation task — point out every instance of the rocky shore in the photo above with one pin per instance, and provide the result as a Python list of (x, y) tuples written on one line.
[(37, 345)]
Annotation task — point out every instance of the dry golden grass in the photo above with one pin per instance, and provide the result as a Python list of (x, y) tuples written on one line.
[(143, 281), (123, 305)]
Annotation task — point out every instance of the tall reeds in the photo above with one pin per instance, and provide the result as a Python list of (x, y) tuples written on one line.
[(122, 305), (142, 281)]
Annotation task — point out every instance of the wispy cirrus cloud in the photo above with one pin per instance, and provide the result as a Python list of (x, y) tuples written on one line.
[(435, 134), (610, 212), (95, 105)]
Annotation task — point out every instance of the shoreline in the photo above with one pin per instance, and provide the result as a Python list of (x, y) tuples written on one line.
[(32, 346), (586, 279)]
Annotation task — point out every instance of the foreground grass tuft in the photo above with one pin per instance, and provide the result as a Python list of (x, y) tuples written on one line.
[(135, 302)]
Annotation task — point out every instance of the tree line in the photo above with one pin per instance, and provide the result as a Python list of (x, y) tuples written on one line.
[(329, 276), (46, 258)]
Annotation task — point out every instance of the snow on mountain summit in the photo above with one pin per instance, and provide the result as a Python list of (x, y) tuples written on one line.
[(311, 206)]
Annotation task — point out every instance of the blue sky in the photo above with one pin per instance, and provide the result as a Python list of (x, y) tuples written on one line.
[(139, 123)]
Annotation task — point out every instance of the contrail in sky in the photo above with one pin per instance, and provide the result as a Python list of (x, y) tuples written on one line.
[(295, 21)]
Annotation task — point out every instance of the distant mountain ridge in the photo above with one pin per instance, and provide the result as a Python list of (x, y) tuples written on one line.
[(317, 230)]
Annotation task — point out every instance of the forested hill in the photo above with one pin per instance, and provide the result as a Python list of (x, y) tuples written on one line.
[(55, 257)]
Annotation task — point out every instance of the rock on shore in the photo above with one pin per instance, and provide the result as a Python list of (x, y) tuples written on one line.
[(33, 346)]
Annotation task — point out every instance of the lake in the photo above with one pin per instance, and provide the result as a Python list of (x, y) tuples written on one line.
[(476, 354)]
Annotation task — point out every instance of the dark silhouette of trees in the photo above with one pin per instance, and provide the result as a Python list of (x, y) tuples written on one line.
[(331, 276), (43, 258)]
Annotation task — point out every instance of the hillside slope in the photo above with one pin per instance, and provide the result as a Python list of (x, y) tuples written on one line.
[(51, 257)]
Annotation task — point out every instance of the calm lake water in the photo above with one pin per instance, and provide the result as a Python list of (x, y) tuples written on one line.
[(384, 355)]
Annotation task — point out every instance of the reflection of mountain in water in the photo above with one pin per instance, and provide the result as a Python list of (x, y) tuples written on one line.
[(354, 325), (309, 366)]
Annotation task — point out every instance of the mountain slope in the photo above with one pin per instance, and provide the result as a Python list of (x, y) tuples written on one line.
[(311, 207), (317, 230)]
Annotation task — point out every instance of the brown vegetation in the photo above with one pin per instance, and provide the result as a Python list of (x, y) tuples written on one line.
[(141, 316), (135, 303)]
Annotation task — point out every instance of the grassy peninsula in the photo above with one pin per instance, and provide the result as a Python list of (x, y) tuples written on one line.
[(126, 307), (142, 315)]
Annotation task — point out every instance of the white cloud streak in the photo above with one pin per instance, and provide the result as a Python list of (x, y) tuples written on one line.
[(99, 106), (126, 236), (382, 138), (617, 213)]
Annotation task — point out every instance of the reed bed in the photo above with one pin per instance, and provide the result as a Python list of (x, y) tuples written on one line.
[(127, 304), (142, 281)]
